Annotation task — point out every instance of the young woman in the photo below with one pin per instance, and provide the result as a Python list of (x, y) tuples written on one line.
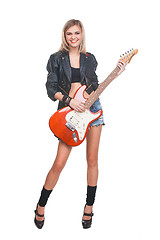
[(68, 69)]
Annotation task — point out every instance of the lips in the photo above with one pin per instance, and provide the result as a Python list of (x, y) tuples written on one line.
[(74, 41)]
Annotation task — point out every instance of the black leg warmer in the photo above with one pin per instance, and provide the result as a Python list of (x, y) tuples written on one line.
[(91, 192), (44, 197)]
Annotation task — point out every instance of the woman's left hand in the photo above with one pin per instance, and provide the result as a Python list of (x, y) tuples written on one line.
[(121, 65)]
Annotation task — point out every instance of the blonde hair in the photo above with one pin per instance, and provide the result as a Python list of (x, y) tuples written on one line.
[(64, 44)]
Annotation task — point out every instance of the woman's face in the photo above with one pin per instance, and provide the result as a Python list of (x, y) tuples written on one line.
[(74, 36)]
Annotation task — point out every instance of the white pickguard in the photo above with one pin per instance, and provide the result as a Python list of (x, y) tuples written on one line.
[(80, 120)]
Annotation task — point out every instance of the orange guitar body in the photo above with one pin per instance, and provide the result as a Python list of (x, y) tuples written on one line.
[(71, 126)]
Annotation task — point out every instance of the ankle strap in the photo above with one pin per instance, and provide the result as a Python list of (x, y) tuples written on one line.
[(88, 214), (39, 215)]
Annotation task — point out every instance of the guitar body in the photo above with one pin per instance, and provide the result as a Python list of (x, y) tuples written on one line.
[(71, 126)]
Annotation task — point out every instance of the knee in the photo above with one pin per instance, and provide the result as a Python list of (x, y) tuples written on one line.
[(57, 167), (92, 161)]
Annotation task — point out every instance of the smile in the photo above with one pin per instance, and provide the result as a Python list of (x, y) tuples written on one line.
[(74, 41)]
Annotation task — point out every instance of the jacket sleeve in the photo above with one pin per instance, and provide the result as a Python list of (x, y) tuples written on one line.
[(94, 62), (52, 77), (92, 75)]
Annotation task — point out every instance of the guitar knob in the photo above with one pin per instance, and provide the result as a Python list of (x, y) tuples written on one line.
[(75, 137)]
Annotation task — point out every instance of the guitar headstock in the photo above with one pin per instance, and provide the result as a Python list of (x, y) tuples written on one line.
[(126, 58)]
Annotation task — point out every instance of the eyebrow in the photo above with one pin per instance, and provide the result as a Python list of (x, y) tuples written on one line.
[(71, 32)]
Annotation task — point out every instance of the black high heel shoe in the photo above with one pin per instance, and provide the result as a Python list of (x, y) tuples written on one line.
[(87, 223), (39, 224)]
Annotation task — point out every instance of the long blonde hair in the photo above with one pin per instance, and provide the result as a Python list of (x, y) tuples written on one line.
[(64, 44)]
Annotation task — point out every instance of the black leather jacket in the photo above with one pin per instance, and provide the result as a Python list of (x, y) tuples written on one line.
[(59, 74)]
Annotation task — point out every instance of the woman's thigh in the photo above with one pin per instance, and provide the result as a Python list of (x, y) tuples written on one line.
[(93, 140), (63, 153)]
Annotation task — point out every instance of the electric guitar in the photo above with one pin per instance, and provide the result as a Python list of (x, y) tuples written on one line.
[(71, 126)]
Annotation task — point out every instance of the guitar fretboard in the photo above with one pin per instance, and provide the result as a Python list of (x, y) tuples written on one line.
[(101, 87)]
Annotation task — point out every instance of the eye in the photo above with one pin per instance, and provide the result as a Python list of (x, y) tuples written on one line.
[(68, 33), (77, 33)]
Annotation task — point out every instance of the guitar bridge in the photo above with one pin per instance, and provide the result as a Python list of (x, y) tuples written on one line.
[(70, 126)]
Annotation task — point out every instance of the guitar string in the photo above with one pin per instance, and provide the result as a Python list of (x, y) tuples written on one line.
[(101, 87)]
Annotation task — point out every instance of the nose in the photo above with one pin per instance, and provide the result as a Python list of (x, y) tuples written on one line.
[(73, 36)]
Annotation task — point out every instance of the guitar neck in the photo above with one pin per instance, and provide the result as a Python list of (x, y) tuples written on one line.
[(94, 96)]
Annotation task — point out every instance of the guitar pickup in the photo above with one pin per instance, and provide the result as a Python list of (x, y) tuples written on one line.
[(73, 121)]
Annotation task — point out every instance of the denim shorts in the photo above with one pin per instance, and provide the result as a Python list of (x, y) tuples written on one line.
[(94, 108)]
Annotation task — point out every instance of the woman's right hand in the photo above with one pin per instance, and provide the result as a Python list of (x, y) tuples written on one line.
[(77, 105)]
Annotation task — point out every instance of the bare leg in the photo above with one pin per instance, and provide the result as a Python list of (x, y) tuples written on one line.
[(59, 163), (93, 139), (54, 173)]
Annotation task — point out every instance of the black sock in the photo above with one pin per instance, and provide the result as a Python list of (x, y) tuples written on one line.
[(44, 197), (91, 192)]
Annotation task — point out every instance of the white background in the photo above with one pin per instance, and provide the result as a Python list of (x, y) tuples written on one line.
[(128, 196)]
